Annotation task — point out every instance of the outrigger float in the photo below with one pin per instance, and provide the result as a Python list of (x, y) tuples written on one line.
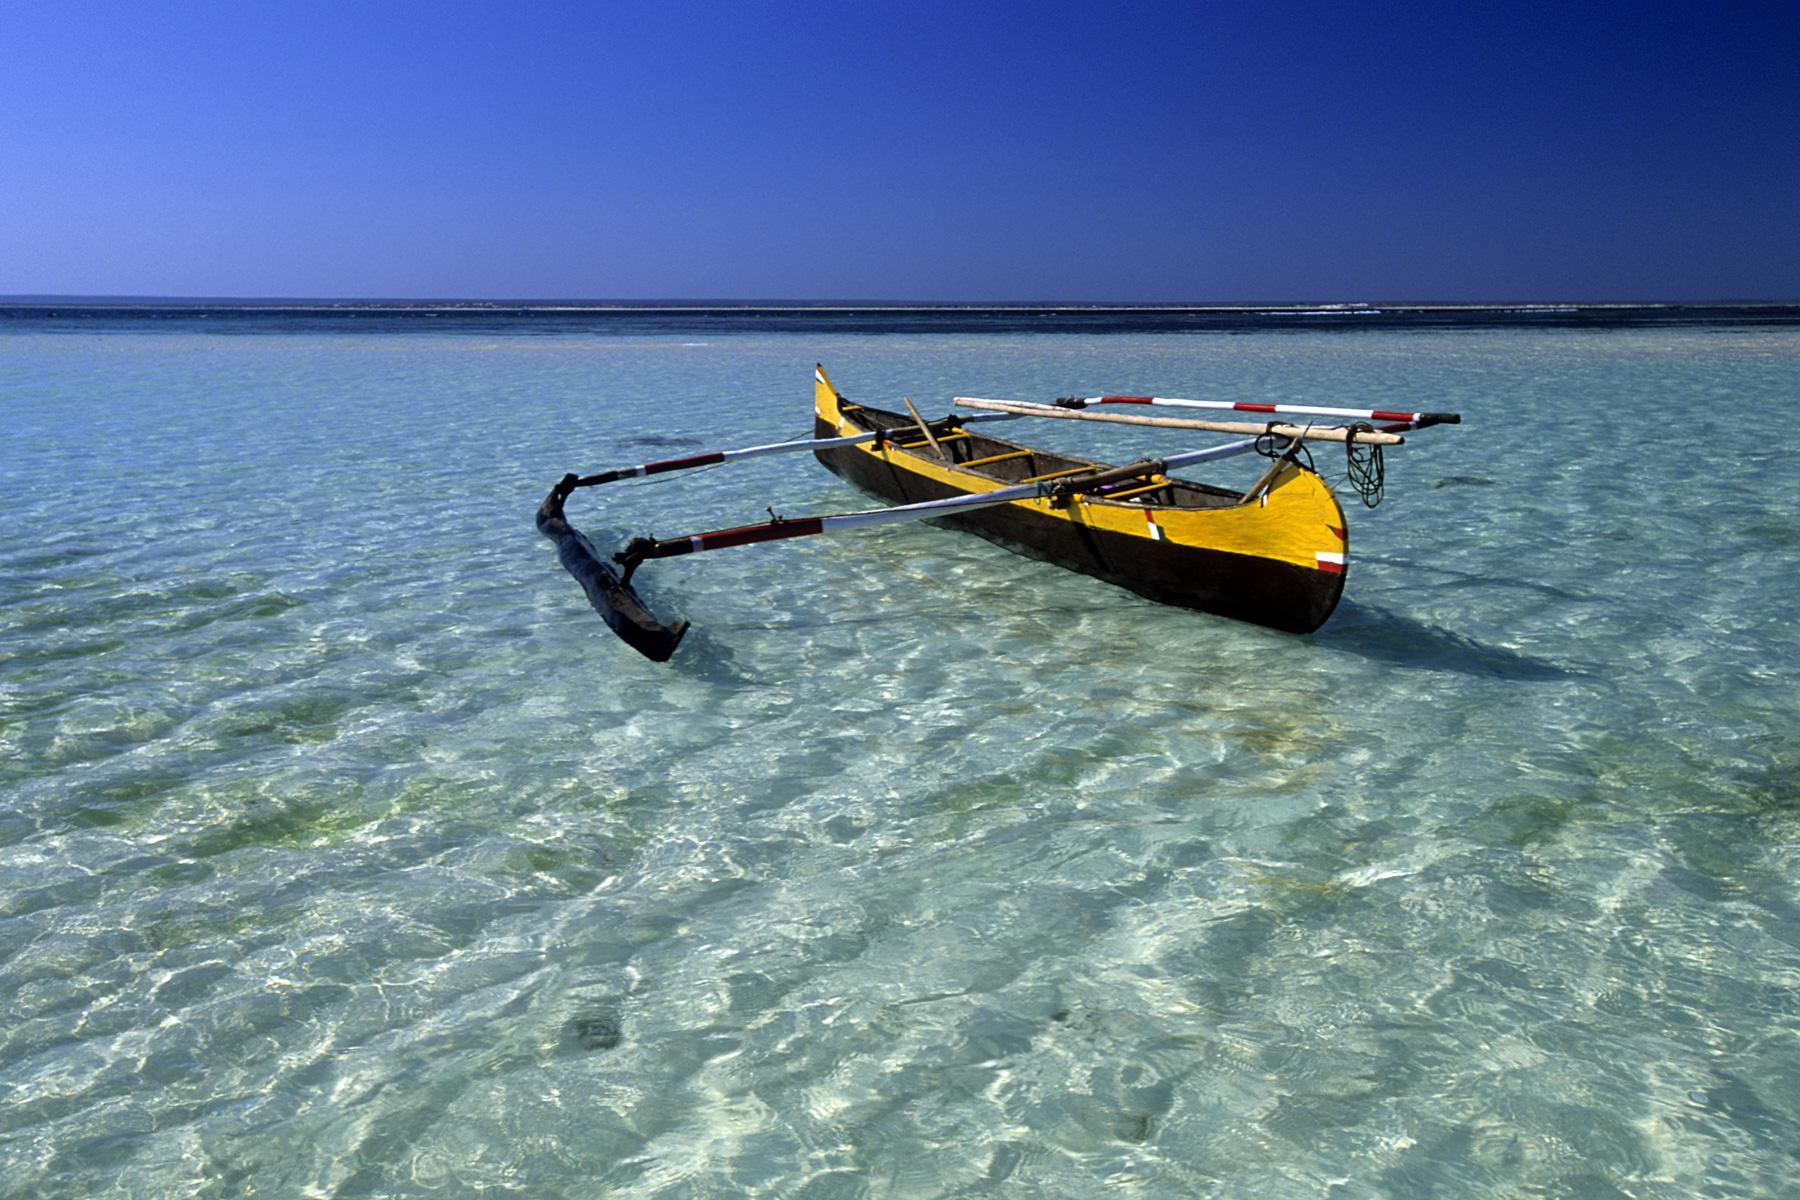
[(1275, 554)]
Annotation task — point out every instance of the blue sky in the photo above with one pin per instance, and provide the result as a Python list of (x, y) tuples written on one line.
[(956, 151)]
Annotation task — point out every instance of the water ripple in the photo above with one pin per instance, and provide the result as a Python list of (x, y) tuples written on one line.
[(346, 854)]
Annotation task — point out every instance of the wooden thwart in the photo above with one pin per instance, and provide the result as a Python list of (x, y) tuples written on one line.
[(1314, 433), (994, 458)]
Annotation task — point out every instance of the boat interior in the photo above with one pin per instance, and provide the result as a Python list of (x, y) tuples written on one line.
[(1009, 462)]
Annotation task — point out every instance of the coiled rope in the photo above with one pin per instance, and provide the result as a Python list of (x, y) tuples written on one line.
[(1366, 470)]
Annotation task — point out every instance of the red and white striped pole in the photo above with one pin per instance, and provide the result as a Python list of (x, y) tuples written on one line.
[(1298, 410)]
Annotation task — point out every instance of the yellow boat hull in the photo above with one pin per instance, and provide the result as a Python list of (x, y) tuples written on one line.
[(1278, 560)]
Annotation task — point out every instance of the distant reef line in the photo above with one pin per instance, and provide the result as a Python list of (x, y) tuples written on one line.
[(42, 300)]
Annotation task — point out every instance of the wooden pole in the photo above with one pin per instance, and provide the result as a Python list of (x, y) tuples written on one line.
[(926, 430)]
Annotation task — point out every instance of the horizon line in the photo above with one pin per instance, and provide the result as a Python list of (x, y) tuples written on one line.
[(679, 304)]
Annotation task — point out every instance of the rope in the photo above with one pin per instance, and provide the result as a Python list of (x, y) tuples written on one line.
[(1367, 472), (1270, 444)]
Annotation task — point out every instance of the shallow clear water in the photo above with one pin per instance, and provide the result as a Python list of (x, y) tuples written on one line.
[(343, 851)]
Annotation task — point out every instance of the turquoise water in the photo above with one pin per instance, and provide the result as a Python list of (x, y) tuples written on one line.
[(344, 852)]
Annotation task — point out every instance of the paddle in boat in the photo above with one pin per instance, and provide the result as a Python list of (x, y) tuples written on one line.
[(1273, 554)]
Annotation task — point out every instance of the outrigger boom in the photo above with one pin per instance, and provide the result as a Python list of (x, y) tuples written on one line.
[(640, 549), (1251, 555), (713, 458)]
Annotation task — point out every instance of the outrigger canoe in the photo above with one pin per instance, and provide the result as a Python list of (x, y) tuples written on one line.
[(1275, 554)]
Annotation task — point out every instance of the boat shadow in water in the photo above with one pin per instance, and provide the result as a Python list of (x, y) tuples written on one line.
[(711, 660), (1472, 579), (1357, 628), (1399, 640)]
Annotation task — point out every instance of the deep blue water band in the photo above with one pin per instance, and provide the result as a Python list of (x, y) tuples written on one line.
[(562, 318)]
